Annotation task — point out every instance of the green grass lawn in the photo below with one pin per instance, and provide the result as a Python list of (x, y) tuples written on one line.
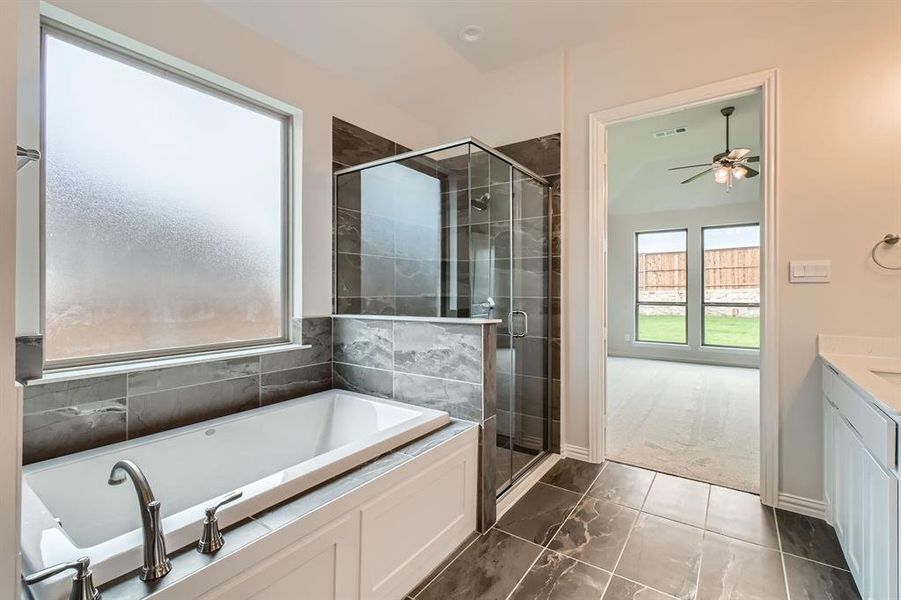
[(742, 332)]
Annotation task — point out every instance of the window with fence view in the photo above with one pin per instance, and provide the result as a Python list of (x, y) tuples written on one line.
[(661, 308), (731, 298)]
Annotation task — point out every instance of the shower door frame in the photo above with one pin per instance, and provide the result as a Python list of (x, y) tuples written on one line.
[(548, 265)]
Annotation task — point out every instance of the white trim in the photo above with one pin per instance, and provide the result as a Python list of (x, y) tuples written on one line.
[(58, 375), (802, 505), (576, 452), (765, 83)]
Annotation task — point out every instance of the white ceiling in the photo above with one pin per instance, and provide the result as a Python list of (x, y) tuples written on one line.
[(639, 181), (409, 50)]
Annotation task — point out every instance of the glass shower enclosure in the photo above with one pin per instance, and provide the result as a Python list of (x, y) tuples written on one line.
[(458, 230)]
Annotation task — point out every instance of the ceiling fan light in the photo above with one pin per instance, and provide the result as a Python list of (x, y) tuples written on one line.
[(739, 171), (721, 175)]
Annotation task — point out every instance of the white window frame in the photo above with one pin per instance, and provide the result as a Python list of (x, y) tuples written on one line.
[(175, 70), (705, 303), (638, 303)]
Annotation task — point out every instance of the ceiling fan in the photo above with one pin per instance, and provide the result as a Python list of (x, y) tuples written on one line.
[(729, 165)]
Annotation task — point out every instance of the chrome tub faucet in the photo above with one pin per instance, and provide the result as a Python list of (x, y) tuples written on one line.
[(156, 563)]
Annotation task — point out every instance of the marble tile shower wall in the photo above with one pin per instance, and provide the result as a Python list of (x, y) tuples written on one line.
[(541, 155), (64, 417), (393, 268), (434, 364)]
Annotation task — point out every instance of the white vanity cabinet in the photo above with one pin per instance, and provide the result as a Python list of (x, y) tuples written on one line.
[(861, 485)]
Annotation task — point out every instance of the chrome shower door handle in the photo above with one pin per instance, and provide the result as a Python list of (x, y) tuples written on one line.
[(525, 323)]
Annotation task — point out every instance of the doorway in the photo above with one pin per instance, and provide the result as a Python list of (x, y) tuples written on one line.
[(684, 282)]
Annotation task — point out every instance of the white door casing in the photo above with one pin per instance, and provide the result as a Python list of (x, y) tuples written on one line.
[(765, 82)]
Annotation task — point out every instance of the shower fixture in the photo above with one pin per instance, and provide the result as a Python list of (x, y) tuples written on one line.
[(481, 203), (25, 156)]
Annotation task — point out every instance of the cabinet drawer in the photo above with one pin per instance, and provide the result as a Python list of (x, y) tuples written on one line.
[(876, 430)]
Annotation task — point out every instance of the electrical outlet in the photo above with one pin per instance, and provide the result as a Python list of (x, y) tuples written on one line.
[(628, 337)]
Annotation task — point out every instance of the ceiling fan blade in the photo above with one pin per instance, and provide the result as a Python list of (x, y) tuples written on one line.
[(689, 167), (693, 177), (738, 153), (751, 172), (752, 159)]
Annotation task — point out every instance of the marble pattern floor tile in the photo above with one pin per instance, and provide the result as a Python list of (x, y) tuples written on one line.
[(595, 533), (573, 475), (808, 580), (811, 538), (557, 577), (623, 589), (489, 569), (606, 550), (678, 499), (663, 554), (539, 514), (622, 484), (739, 571), (740, 515)]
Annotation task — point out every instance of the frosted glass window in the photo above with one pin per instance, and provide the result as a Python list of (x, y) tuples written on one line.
[(165, 205)]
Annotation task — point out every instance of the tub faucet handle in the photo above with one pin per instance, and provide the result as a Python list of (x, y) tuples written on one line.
[(82, 584), (211, 540)]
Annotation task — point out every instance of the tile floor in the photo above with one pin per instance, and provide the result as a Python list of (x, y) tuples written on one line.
[(616, 532)]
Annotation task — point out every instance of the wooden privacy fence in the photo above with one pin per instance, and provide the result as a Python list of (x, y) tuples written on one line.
[(725, 268)]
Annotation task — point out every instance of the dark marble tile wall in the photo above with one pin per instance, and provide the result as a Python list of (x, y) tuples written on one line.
[(541, 155), (64, 417), (387, 258), (434, 364), (29, 357)]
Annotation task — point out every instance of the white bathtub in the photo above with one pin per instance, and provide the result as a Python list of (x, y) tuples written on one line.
[(270, 454)]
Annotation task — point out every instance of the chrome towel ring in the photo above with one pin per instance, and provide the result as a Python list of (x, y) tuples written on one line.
[(889, 239)]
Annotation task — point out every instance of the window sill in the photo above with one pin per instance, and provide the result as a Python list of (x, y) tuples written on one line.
[(729, 350), (59, 375), (661, 344)]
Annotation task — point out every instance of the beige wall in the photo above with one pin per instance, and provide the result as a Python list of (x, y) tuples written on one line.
[(508, 105), (10, 416), (202, 36), (839, 190)]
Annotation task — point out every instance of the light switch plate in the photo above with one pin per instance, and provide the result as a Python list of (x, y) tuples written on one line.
[(810, 271)]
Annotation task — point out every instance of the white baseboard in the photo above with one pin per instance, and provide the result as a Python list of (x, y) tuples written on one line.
[(577, 452), (801, 505)]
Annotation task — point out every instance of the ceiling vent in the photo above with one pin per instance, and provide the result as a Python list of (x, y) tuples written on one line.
[(669, 132)]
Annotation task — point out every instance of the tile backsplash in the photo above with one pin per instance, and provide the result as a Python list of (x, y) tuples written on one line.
[(67, 416)]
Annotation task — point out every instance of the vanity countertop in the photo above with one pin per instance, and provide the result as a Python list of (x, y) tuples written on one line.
[(872, 365)]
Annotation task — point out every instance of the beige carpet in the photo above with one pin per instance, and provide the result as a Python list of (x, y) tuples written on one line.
[(695, 421)]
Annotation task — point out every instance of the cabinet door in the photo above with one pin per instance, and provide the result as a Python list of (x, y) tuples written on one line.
[(322, 566), (879, 516), (829, 415), (848, 457)]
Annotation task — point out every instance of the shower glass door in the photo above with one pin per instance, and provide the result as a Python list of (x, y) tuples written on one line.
[(529, 323)]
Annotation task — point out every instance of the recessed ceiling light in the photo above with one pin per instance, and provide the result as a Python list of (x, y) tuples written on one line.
[(471, 33)]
